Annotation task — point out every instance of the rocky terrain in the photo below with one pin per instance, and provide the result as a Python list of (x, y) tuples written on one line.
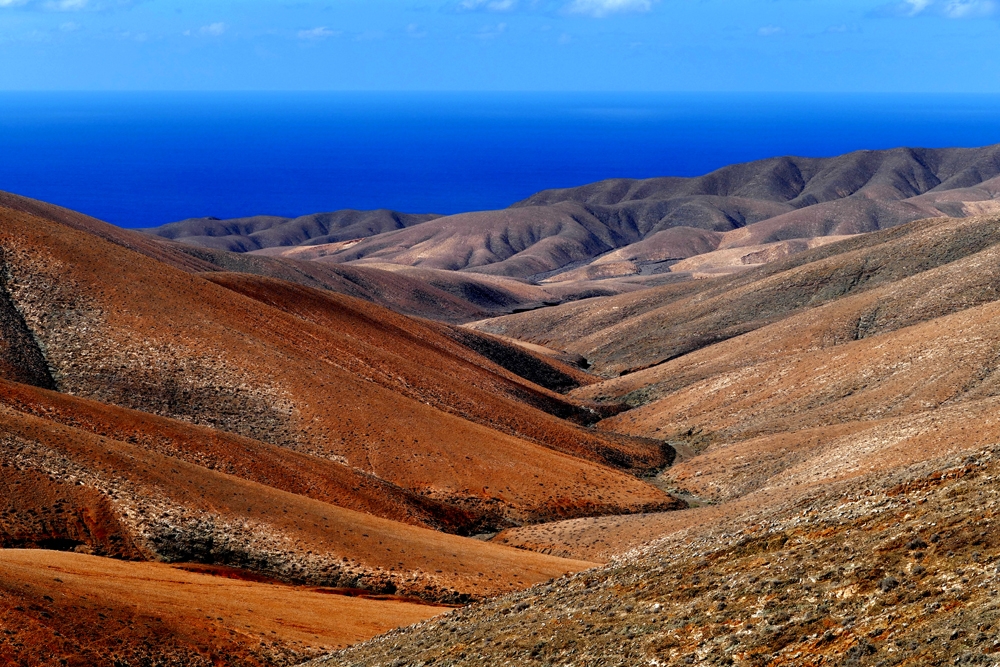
[(833, 413)]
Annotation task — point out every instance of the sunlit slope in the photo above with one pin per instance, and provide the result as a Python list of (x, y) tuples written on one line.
[(894, 568), (74, 488), (119, 328), (636, 331), (151, 613), (891, 361)]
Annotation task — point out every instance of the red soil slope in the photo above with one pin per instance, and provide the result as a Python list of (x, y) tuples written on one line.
[(121, 329), (151, 613), (69, 487), (252, 460)]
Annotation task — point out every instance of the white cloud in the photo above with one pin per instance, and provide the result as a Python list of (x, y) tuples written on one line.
[(961, 9), (770, 31), (602, 8), (414, 31), (12, 3), (213, 29), (564, 39), (69, 26), (487, 5), (952, 9), (317, 33), (916, 6)]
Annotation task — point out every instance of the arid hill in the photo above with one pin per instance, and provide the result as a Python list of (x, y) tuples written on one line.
[(622, 334), (268, 231), (155, 407), (837, 439), (890, 569), (653, 222), (624, 227), (783, 449)]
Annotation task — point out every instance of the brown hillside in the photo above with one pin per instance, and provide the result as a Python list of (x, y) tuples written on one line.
[(252, 460), (772, 200), (118, 328), (164, 508), (890, 569), (635, 331), (150, 613)]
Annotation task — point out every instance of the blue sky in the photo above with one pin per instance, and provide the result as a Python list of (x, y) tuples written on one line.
[(640, 45)]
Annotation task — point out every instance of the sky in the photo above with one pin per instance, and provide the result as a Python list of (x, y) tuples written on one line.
[(933, 46)]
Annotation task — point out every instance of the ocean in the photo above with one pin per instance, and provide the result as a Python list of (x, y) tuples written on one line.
[(144, 159)]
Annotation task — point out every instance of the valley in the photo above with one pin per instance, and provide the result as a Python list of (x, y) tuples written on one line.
[(742, 419)]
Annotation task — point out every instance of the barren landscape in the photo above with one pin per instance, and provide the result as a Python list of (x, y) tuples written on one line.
[(747, 418)]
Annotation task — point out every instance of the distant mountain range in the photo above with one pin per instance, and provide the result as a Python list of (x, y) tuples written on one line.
[(626, 227)]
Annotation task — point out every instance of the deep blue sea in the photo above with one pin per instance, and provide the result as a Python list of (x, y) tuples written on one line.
[(143, 159)]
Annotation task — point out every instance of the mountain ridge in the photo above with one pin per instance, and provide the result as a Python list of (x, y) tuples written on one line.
[(775, 199)]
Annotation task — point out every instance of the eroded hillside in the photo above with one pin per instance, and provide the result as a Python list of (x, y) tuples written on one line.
[(155, 407), (835, 417)]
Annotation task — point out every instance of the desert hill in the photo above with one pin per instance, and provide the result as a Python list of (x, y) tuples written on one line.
[(267, 231), (157, 407), (890, 569), (785, 452), (767, 201), (625, 227), (625, 333), (616, 236), (837, 437)]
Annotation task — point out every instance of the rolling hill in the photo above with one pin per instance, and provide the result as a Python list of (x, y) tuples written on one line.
[(767, 437), (267, 231), (837, 439), (157, 408), (651, 223)]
